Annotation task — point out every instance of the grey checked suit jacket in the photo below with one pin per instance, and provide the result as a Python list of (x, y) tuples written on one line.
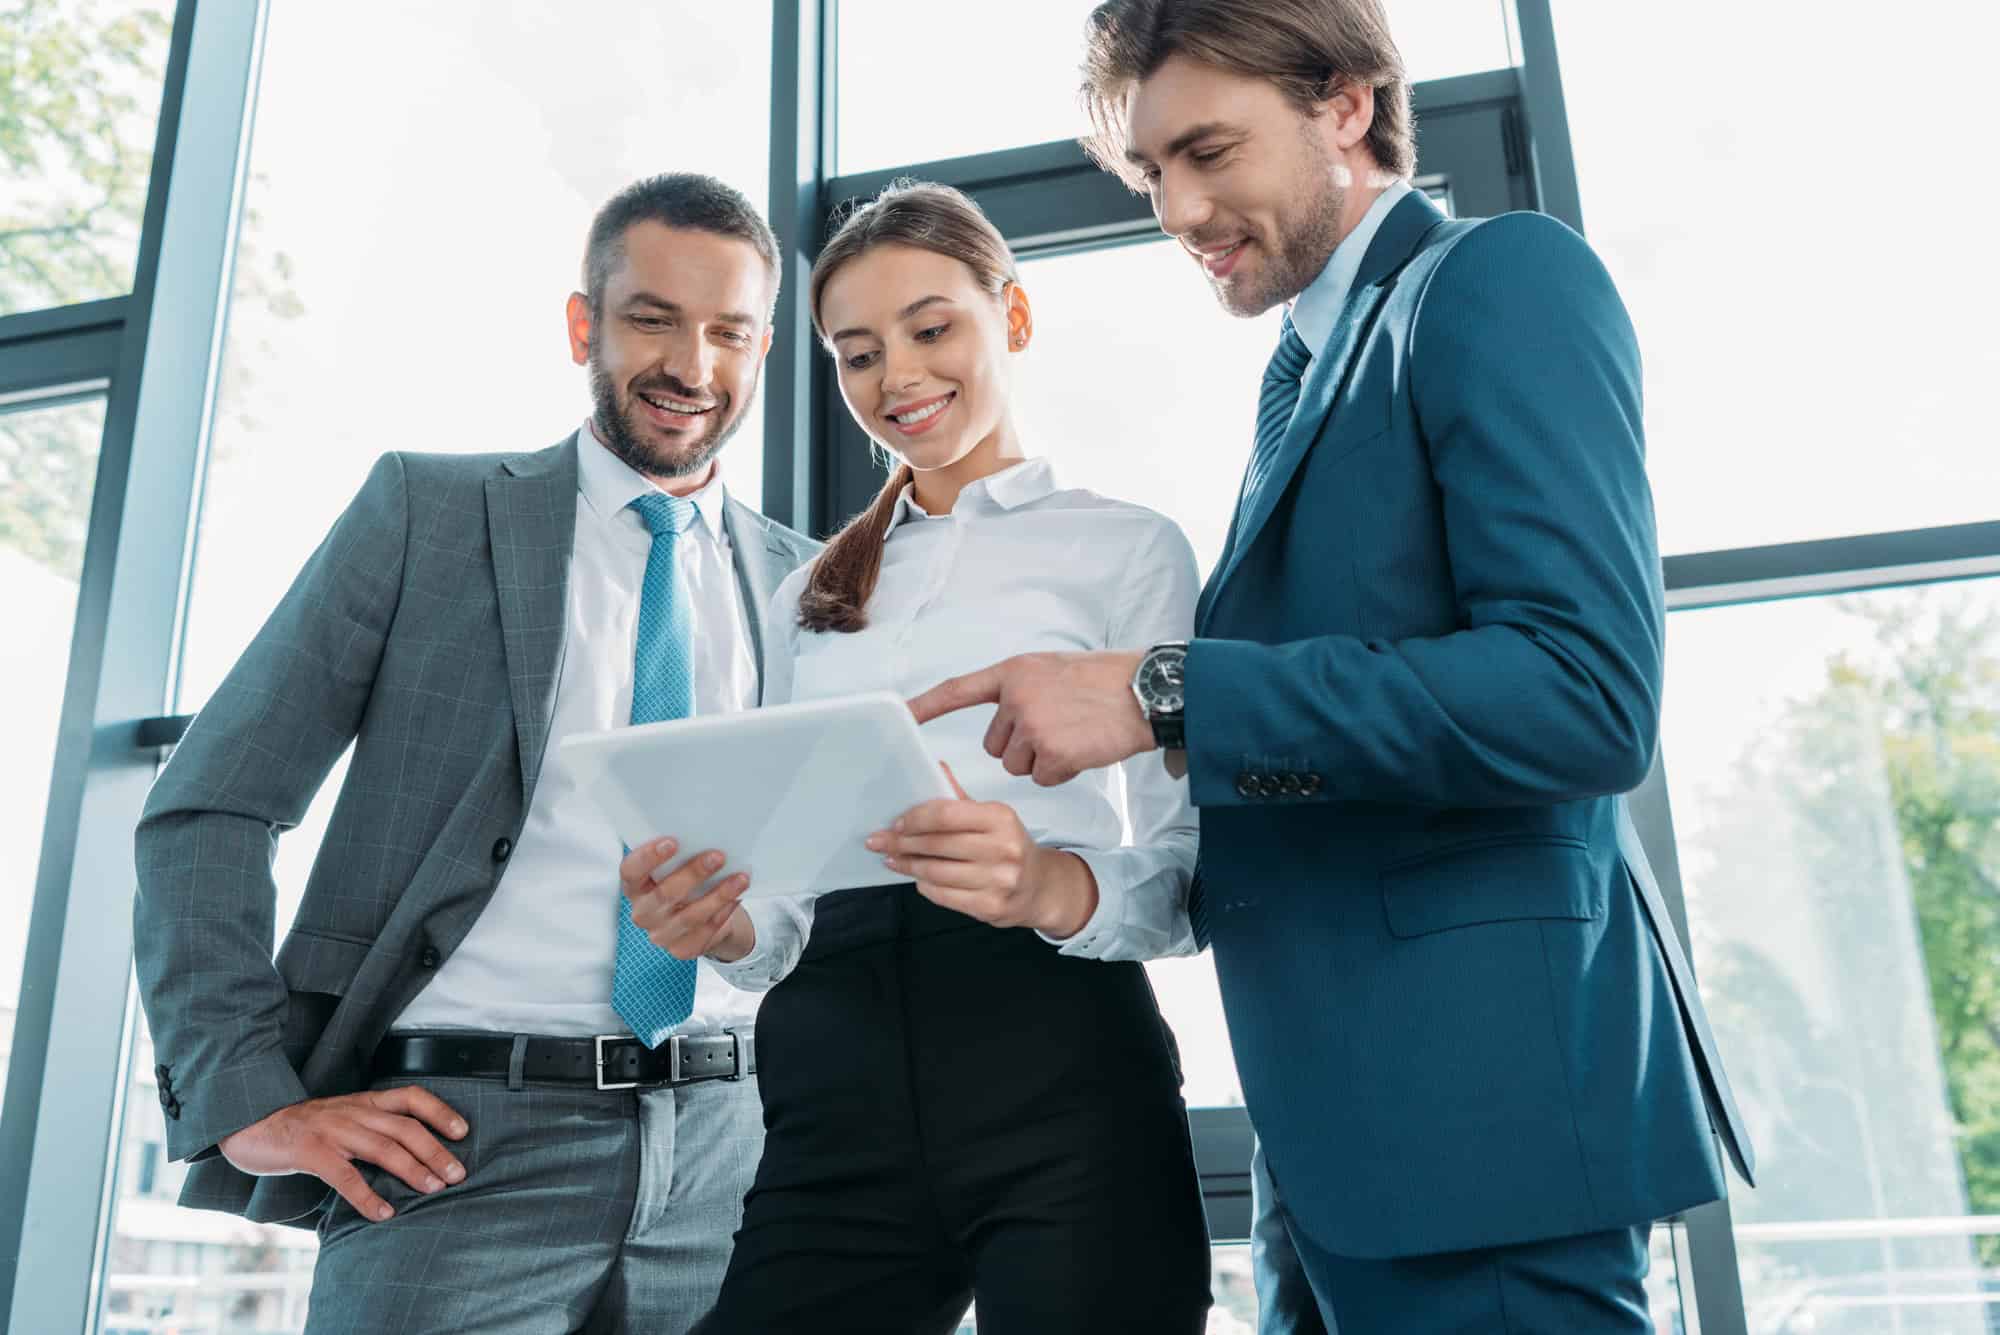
[(427, 630)]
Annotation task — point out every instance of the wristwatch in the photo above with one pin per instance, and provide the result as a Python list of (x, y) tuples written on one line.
[(1160, 684)]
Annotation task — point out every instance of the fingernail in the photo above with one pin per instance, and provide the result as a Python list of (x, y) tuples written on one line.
[(383, 1212), (742, 884), (893, 864), (433, 1182), (712, 861), (458, 1128), (455, 1171), (876, 843), (898, 826), (665, 847)]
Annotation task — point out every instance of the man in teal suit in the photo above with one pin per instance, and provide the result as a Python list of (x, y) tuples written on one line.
[(1426, 668)]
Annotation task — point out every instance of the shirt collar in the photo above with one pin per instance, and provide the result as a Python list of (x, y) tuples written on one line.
[(610, 484), (1008, 489), (1316, 309)]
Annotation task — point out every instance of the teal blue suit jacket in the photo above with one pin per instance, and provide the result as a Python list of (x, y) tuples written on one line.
[(1426, 668)]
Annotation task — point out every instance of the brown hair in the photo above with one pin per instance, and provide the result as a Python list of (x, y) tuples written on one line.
[(1308, 48), (930, 217)]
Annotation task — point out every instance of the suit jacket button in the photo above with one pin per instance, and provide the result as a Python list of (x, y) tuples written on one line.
[(503, 848), (166, 1096), (430, 959), (1246, 785)]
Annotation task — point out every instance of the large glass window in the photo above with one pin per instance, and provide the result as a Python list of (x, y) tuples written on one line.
[(1834, 767), (1818, 342), (400, 283), (79, 98), (48, 464), (921, 81), (1110, 327)]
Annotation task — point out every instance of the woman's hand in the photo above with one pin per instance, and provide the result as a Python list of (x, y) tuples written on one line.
[(713, 925), (976, 858)]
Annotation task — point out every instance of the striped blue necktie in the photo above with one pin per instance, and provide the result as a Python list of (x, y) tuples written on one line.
[(650, 989), (1276, 403)]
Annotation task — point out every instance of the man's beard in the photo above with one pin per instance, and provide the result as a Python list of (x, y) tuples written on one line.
[(622, 437), (1308, 231)]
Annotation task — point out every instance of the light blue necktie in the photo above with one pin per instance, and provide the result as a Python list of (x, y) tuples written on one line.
[(650, 989), (1276, 403)]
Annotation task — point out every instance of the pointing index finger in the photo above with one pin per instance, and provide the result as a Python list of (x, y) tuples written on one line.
[(948, 697)]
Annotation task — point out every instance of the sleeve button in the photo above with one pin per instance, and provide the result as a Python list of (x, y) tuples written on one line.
[(1309, 785), (1246, 784), (1288, 784)]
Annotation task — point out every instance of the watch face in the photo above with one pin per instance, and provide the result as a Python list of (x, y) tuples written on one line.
[(1162, 683)]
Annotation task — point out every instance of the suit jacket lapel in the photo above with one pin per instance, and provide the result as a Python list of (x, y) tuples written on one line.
[(531, 522), (762, 562), (1401, 234)]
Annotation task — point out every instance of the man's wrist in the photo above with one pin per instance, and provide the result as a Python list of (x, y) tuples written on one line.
[(1159, 691)]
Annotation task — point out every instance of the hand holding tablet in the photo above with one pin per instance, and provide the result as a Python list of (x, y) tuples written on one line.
[(788, 793)]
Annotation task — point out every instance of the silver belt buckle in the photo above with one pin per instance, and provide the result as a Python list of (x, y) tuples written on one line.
[(674, 1059), (738, 1071), (598, 1044)]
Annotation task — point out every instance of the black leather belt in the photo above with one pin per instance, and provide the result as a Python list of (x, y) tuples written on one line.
[(606, 1062)]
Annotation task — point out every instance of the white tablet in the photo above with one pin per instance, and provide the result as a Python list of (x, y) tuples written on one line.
[(788, 793)]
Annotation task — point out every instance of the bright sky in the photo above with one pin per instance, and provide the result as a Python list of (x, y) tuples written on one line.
[(1789, 228)]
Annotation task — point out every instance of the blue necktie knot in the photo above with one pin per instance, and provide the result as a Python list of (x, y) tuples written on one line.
[(661, 513), (1288, 362)]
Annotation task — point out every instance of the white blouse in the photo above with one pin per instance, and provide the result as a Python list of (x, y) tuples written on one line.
[(1020, 565)]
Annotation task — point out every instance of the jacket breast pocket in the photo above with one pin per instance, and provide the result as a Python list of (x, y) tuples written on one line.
[(1503, 879)]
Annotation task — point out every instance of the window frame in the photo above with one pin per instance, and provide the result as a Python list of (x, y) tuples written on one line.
[(153, 355)]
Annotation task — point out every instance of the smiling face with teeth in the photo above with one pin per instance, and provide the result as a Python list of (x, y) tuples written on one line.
[(925, 355), (1256, 190), (676, 348)]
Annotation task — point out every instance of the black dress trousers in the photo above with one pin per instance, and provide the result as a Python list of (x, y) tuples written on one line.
[(955, 1112)]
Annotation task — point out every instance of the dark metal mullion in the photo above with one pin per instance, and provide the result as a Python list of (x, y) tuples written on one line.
[(72, 345), (77, 741), (802, 79), (1550, 154)]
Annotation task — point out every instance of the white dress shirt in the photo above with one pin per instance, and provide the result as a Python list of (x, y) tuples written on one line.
[(1018, 566), (1316, 310), (539, 958)]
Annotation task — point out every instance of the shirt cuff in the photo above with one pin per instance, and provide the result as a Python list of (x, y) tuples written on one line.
[(1107, 920), (768, 960)]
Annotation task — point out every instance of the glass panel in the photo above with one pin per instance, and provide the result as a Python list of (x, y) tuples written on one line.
[(1836, 786), (400, 285), (80, 84), (1096, 320), (1817, 356), (1022, 86), (48, 466), (1663, 1282)]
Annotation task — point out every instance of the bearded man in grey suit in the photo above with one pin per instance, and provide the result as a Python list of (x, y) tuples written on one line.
[(507, 1098)]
